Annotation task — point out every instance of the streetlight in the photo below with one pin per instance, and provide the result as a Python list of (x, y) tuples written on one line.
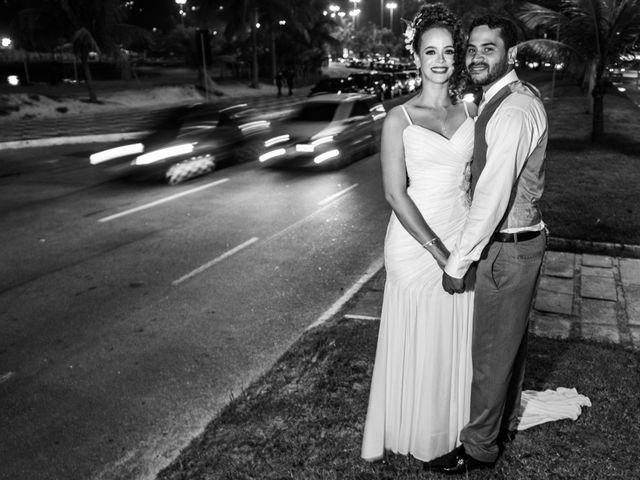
[(391, 6), (355, 12), (334, 9), (181, 4), (354, 15)]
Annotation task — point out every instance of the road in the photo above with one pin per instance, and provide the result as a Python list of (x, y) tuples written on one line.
[(132, 312)]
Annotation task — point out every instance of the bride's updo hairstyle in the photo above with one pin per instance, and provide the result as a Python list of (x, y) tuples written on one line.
[(436, 15)]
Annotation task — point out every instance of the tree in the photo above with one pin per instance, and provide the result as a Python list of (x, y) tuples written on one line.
[(596, 31), (90, 26)]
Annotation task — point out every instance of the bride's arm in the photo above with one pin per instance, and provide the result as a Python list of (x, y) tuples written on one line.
[(394, 180)]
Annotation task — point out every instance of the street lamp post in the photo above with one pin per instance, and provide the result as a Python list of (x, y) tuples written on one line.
[(181, 4), (355, 12), (391, 6)]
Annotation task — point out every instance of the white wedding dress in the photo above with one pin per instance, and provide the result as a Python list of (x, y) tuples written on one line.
[(420, 389), (421, 383)]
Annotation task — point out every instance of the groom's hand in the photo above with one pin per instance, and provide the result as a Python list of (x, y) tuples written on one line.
[(452, 285)]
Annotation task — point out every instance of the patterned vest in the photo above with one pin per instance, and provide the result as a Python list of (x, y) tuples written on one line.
[(523, 209)]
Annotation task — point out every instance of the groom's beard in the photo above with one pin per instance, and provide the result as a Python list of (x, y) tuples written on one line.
[(487, 73)]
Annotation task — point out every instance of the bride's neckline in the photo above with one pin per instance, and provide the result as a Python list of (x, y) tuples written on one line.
[(438, 133)]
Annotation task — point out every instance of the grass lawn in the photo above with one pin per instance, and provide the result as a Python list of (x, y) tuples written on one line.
[(304, 418), (592, 191)]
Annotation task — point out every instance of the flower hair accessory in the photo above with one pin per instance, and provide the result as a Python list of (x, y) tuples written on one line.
[(409, 34)]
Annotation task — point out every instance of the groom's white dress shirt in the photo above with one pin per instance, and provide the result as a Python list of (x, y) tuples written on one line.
[(512, 133)]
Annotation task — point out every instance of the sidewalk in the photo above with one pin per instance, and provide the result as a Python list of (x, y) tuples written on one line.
[(579, 296)]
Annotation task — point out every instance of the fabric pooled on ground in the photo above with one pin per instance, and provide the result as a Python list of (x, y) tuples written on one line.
[(550, 405)]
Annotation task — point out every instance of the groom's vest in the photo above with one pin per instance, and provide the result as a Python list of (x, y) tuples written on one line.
[(523, 209)]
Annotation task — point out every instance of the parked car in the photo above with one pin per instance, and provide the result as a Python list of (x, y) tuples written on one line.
[(327, 132), (332, 85), (187, 142), (403, 79), (391, 86)]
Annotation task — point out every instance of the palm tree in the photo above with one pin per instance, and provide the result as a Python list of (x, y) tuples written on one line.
[(90, 26), (596, 31)]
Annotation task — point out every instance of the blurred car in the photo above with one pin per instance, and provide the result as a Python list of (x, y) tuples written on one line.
[(332, 85), (328, 132), (187, 142), (369, 83)]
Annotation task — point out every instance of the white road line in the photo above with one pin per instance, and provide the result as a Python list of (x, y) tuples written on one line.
[(163, 200), (227, 254), (351, 316), (331, 200), (335, 308), (336, 195), (6, 376)]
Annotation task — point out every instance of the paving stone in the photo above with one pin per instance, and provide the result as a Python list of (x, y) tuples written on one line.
[(559, 264), (369, 304), (596, 260), (556, 284), (603, 288), (635, 337), (632, 295), (600, 333), (553, 302), (551, 326), (598, 312), (630, 271), (596, 271)]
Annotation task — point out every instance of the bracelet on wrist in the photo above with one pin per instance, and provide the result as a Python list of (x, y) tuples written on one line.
[(430, 242)]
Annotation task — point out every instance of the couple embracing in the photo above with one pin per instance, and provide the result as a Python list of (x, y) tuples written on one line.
[(463, 249)]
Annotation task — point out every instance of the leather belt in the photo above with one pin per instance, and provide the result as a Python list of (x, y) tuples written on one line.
[(516, 237)]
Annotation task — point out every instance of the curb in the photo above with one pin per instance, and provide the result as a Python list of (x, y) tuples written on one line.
[(594, 248), (56, 141)]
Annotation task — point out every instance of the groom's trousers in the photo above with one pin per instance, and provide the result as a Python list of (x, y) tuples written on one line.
[(505, 285)]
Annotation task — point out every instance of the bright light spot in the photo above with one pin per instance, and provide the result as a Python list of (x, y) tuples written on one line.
[(469, 97), (326, 156), (341, 14), (269, 155), (163, 154), (622, 89), (258, 25), (304, 147), (256, 125), (321, 140), (5, 42), (279, 139), (110, 154), (282, 22), (13, 80)]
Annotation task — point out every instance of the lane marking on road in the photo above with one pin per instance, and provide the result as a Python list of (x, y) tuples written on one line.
[(7, 376), (337, 195), (374, 268), (350, 316), (211, 263), (162, 200), (311, 215)]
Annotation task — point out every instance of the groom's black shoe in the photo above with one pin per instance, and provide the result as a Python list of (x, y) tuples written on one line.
[(456, 462)]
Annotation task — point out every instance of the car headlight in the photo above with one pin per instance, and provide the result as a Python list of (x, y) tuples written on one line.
[(273, 153), (164, 153), (117, 152), (323, 157), (321, 140), (275, 140)]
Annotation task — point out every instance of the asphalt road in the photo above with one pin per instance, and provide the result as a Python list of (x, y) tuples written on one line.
[(131, 312)]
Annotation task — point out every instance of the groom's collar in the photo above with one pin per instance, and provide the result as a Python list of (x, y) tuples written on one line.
[(510, 77)]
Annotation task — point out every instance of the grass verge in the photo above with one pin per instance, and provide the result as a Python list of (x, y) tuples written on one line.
[(304, 418)]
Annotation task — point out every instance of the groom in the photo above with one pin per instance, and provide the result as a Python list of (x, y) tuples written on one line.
[(505, 232)]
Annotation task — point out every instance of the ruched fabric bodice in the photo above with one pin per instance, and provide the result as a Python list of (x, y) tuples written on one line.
[(438, 171), (420, 388)]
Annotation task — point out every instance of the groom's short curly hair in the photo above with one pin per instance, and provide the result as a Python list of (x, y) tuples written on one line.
[(508, 31)]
